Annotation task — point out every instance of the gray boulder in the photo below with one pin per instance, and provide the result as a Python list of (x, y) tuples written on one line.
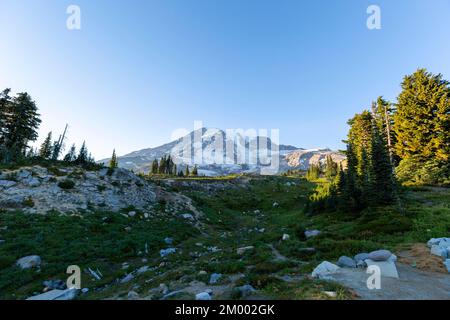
[(324, 270), (55, 284), (387, 268), (165, 252), (245, 290), (7, 184), (447, 264), (67, 294), (437, 241), (202, 296), (439, 251), (29, 262), (346, 262), (311, 233), (380, 255), (127, 278), (361, 257), (215, 277)]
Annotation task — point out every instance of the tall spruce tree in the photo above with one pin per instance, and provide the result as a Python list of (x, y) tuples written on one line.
[(71, 155), (45, 151), (113, 163), (83, 155), (21, 126), (154, 168), (422, 120), (382, 187)]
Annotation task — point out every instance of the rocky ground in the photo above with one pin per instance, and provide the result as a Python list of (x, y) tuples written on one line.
[(70, 190)]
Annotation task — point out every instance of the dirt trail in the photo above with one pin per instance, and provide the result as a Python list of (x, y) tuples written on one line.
[(412, 284)]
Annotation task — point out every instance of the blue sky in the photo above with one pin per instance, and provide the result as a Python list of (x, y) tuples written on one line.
[(138, 70)]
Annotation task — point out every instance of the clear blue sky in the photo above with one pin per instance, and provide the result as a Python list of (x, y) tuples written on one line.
[(138, 70)]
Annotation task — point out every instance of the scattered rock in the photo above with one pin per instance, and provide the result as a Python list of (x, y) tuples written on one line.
[(132, 214), (168, 240), (437, 241), (361, 257), (67, 294), (55, 284), (127, 278), (447, 264), (439, 251), (29, 262), (215, 277), (143, 269), (245, 290), (133, 295), (387, 268), (361, 264), (202, 296), (380, 255), (285, 237), (311, 233), (275, 205), (202, 273), (7, 184), (188, 216), (331, 294), (85, 290), (165, 252), (257, 212), (163, 288), (324, 270), (347, 262), (241, 251)]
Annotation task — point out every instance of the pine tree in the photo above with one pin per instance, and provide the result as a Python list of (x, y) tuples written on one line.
[(45, 152), (422, 119), (21, 126), (186, 171), (71, 155), (113, 163), (331, 168), (5, 109), (155, 165), (351, 192), (83, 155), (162, 165), (382, 189), (195, 171)]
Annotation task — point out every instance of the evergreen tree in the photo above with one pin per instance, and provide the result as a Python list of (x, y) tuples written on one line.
[(113, 163), (331, 168), (195, 171), (186, 171), (5, 109), (71, 155), (382, 188), (21, 126), (422, 119), (313, 172), (155, 165), (83, 155), (162, 165), (45, 152)]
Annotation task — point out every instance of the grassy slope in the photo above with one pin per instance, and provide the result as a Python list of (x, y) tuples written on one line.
[(230, 221)]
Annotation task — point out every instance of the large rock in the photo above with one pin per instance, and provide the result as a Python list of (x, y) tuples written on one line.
[(165, 252), (311, 233), (447, 264), (380, 255), (387, 268), (324, 270), (361, 257), (215, 277), (437, 241), (55, 284), (439, 251), (346, 262), (67, 294), (241, 251), (245, 290), (7, 184), (29, 262), (202, 296)]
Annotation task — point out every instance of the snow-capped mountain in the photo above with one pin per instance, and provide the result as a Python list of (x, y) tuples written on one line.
[(217, 152)]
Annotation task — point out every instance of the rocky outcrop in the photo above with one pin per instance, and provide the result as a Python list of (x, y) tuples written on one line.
[(67, 190)]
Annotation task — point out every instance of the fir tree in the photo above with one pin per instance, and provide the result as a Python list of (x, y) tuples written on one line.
[(195, 171), (422, 119), (71, 155), (186, 171), (113, 163), (45, 152), (83, 155), (155, 165)]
